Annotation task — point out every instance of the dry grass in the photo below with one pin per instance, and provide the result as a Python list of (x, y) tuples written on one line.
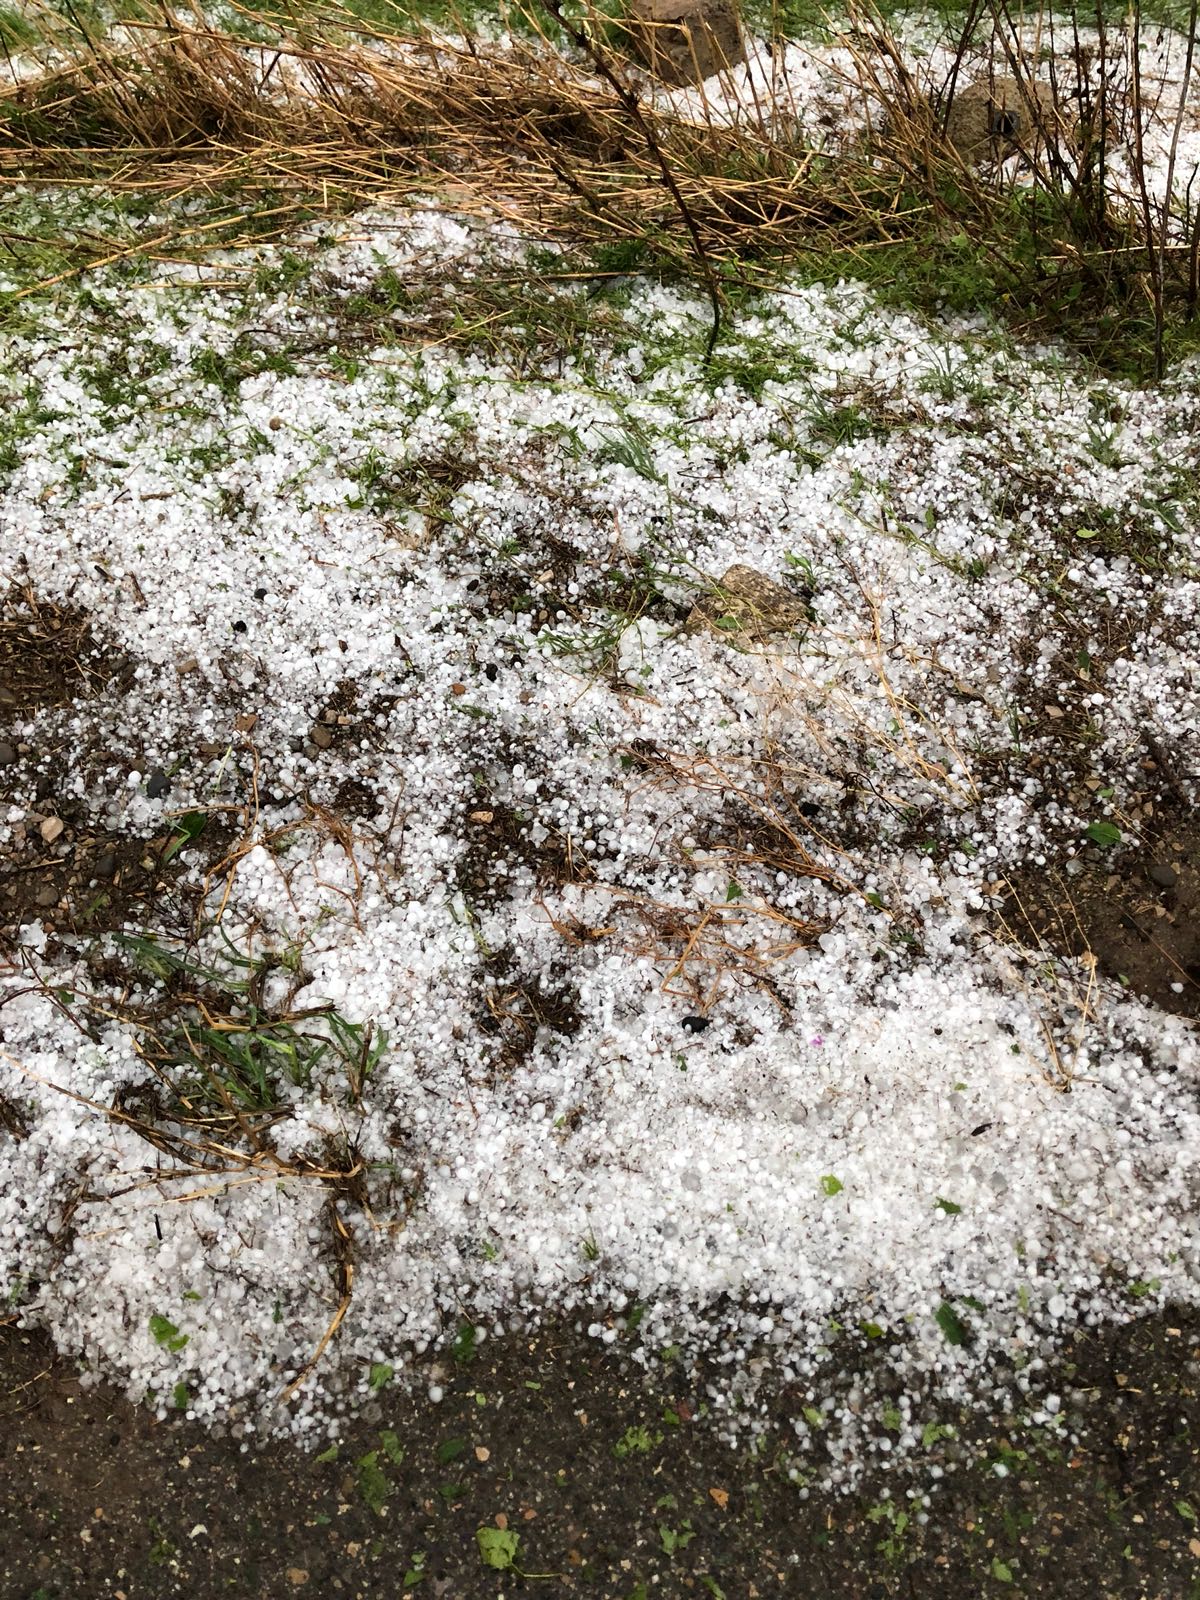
[(333, 117)]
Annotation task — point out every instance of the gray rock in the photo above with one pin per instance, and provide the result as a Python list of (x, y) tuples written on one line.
[(7, 755), (686, 41), (746, 605), (1164, 876), (157, 784)]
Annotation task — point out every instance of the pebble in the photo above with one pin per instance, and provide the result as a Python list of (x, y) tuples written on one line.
[(7, 755), (51, 828), (106, 864), (46, 895), (157, 784), (1165, 877), (320, 736)]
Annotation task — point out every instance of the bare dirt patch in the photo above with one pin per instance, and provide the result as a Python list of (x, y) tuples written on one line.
[(49, 655), (612, 1482), (1138, 917)]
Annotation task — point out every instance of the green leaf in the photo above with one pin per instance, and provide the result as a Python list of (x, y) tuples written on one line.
[(873, 1330), (713, 1587), (463, 1348), (372, 1481), (893, 1418), (381, 1374), (814, 1417), (449, 1450), (180, 1396), (831, 1185), (497, 1547), (948, 1207), (1186, 1510), (166, 1333), (733, 891), (328, 1455), (1103, 833), (954, 1329), (1143, 1287), (1086, 533), (933, 1433), (1001, 1572), (187, 828), (389, 1443)]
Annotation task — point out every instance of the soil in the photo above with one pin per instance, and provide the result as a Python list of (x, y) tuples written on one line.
[(612, 1482), (1138, 915)]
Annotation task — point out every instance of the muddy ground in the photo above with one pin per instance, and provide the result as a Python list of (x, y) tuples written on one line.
[(614, 1486)]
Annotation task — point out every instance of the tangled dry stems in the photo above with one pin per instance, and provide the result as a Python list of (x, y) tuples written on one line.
[(566, 142)]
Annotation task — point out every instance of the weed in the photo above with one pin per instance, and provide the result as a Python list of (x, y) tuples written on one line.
[(636, 1440), (893, 1546)]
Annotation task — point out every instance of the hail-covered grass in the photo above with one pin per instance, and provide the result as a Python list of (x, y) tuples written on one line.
[(563, 957)]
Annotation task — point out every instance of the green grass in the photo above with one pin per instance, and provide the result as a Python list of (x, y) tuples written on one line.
[(223, 1052)]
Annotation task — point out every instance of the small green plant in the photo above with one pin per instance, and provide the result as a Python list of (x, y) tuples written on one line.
[(463, 1348), (373, 1482), (165, 1333), (498, 1548), (636, 1440), (674, 1539), (954, 1329), (892, 1546)]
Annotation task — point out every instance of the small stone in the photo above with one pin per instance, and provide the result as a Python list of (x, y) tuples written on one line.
[(157, 784), (696, 1024), (51, 828), (297, 1576), (7, 755), (46, 895), (686, 41), (320, 735), (106, 864), (482, 1453), (746, 605), (1165, 877)]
